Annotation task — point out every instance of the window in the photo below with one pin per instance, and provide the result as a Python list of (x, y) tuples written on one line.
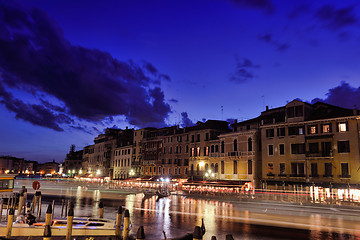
[(206, 136), (313, 148), (326, 128), (192, 138), (314, 170), (198, 137), (281, 149), (271, 149), (169, 161), (222, 167), (345, 170), (187, 148), (216, 148), (216, 168), (235, 167), (250, 167), (235, 145), (198, 151), (326, 149), (328, 170), (270, 133), (282, 169), (212, 148), (343, 146), (297, 169), (270, 169), (298, 148), (296, 111), (298, 130), (281, 132), (186, 162), (169, 171), (222, 147), (206, 152), (192, 152), (342, 127), (249, 144), (312, 129)]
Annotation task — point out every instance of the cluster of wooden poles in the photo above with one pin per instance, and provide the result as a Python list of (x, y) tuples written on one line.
[(68, 206)]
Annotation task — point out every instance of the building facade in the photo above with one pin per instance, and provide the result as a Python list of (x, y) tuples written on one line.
[(310, 144)]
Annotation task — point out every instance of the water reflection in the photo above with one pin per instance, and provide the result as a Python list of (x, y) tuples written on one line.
[(178, 215)]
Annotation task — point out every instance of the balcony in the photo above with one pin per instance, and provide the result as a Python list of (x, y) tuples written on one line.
[(320, 155), (345, 176)]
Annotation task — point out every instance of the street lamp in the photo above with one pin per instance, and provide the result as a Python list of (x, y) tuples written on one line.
[(132, 173)]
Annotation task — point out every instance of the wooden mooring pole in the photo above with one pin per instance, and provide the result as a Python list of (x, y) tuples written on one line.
[(101, 210), (197, 233), (21, 203), (118, 222), (126, 225), (10, 222), (70, 218), (47, 232), (49, 213), (140, 235)]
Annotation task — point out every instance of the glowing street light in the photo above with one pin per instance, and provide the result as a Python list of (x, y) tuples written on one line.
[(132, 173)]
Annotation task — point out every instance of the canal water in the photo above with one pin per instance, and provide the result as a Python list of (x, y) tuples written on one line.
[(177, 215)]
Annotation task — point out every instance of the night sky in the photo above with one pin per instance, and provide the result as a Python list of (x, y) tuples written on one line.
[(70, 69)]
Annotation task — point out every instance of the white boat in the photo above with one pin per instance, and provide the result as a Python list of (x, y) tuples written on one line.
[(81, 226)]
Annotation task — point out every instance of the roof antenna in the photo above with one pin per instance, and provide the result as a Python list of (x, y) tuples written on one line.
[(222, 112)]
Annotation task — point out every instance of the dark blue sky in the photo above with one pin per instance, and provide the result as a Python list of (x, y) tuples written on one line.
[(69, 69)]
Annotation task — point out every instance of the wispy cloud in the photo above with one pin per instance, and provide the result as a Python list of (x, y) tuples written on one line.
[(243, 71)]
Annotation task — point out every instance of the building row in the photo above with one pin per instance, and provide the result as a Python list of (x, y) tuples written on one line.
[(299, 143), (14, 165)]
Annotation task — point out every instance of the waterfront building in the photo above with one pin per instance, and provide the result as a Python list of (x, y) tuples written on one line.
[(122, 162), (9, 164), (152, 148), (137, 155), (307, 144), (99, 156), (175, 154), (73, 162), (239, 158), (198, 139), (48, 168)]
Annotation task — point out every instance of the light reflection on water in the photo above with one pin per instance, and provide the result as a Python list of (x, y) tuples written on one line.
[(177, 215)]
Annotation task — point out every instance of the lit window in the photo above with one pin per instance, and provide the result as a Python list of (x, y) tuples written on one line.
[(342, 127), (326, 128), (313, 129), (270, 169)]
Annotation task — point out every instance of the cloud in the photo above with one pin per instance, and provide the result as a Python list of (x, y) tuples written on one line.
[(40, 115), (343, 95), (243, 70), (298, 10), (90, 84), (279, 46), (336, 18), (186, 122), (173, 100), (256, 4)]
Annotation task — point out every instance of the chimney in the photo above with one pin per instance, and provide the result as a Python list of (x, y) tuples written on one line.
[(267, 108), (235, 121), (355, 111)]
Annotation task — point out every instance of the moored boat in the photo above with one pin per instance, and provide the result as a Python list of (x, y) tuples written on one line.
[(81, 226)]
